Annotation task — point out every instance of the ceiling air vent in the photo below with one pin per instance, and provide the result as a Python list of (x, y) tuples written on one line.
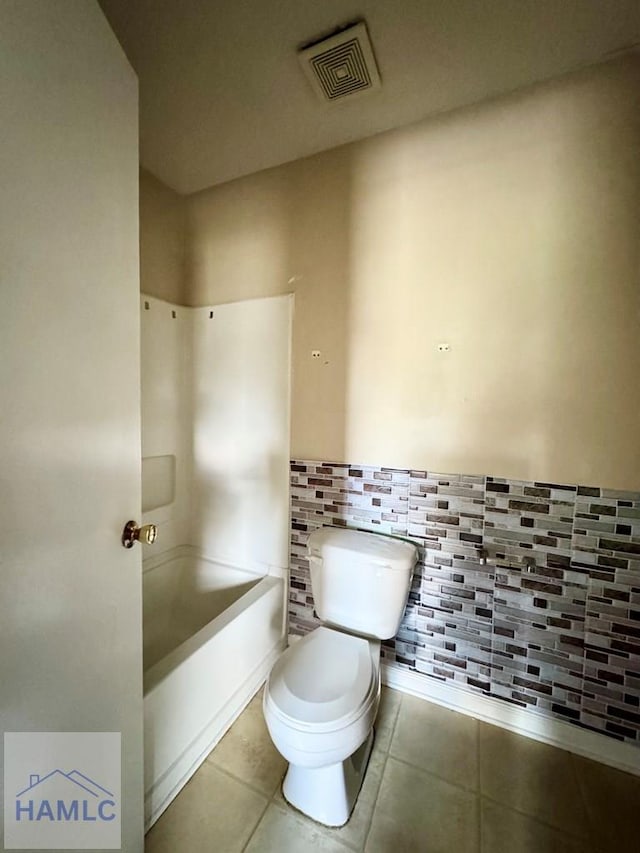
[(342, 65)]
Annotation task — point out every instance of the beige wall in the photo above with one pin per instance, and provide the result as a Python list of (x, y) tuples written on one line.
[(508, 231), (162, 250)]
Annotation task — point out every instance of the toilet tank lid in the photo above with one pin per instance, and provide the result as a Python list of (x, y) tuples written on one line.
[(375, 548)]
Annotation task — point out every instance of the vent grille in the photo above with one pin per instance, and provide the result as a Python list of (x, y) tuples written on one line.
[(342, 65)]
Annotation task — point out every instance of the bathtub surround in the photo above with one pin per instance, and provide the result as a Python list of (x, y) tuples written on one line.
[(551, 624), (228, 429), (165, 331), (215, 441), (240, 419)]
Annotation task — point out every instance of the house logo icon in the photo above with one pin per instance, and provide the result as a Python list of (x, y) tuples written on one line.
[(61, 796), (62, 791)]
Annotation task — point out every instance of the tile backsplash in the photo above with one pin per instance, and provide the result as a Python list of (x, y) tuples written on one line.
[(551, 622)]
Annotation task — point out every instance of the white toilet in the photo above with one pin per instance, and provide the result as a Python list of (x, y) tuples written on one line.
[(322, 695)]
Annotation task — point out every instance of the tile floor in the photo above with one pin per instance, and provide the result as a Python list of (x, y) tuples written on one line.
[(437, 782)]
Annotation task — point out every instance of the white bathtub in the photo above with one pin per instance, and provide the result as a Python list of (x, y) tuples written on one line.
[(211, 634)]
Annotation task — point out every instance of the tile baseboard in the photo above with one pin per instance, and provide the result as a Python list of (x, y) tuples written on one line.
[(618, 754)]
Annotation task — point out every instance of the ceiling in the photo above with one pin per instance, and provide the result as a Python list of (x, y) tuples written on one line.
[(222, 93)]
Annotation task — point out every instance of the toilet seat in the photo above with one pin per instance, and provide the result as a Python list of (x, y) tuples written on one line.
[(323, 682), (322, 696)]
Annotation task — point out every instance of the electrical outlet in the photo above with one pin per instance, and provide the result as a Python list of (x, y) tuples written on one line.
[(315, 353), (444, 347)]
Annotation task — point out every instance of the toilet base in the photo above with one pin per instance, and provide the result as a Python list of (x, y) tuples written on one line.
[(328, 794)]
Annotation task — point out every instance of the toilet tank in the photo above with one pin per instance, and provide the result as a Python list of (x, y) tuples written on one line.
[(360, 581)]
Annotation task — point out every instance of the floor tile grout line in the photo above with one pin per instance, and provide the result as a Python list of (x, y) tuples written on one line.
[(278, 789), (387, 753), (534, 818), (255, 828), (375, 804), (512, 808), (244, 782), (421, 769), (581, 791)]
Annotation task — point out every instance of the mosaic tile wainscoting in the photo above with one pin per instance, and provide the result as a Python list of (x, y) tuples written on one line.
[(526, 592)]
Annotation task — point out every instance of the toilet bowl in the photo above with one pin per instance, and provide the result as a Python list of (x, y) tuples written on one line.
[(320, 703), (322, 695)]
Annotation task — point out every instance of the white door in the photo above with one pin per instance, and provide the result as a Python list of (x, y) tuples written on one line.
[(70, 594)]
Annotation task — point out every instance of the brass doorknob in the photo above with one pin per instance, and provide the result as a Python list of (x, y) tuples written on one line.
[(147, 534)]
